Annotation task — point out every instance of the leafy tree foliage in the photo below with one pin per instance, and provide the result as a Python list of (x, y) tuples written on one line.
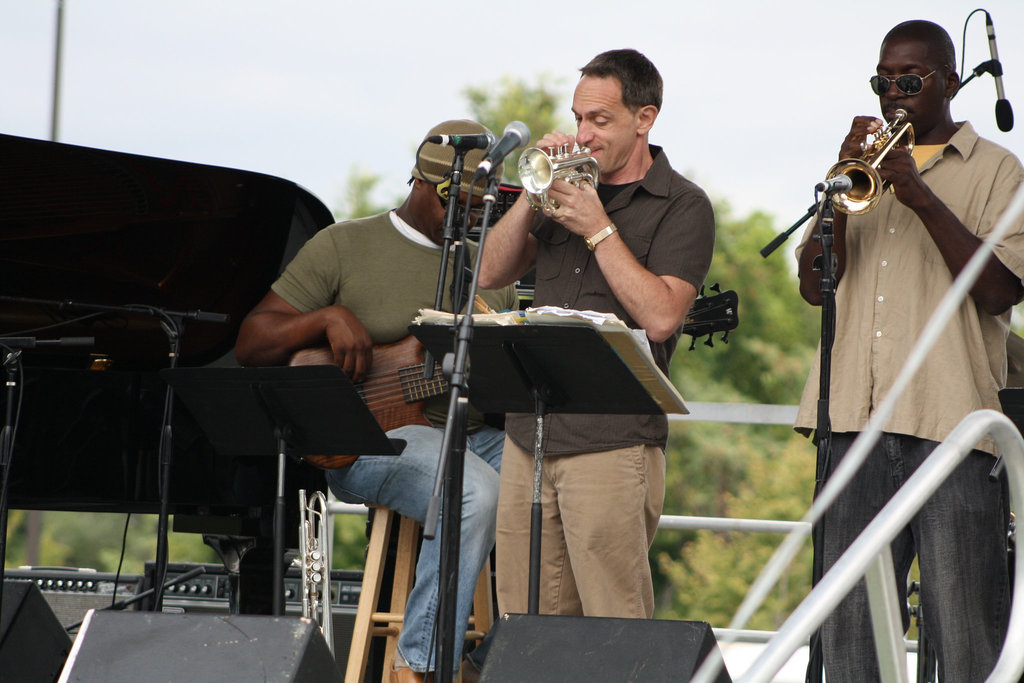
[(536, 103), (736, 470)]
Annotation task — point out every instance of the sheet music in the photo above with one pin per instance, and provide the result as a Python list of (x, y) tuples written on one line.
[(632, 346)]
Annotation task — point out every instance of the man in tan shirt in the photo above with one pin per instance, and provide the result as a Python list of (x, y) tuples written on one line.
[(894, 264)]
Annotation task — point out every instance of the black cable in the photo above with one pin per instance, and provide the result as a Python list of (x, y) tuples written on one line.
[(120, 561)]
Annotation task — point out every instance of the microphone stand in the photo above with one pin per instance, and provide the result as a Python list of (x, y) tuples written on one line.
[(452, 463), (782, 237), (991, 66), (173, 325), (449, 237), (825, 263), (12, 347)]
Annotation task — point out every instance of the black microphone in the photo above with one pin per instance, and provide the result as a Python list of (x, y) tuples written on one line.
[(516, 135), (839, 183), (34, 342), (1004, 113), (476, 141)]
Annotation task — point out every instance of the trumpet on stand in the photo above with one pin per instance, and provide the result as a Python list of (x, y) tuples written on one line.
[(315, 562)]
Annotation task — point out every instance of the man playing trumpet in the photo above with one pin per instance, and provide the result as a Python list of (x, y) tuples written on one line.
[(639, 246), (894, 265)]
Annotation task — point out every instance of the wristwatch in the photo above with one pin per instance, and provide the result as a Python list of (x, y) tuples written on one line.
[(597, 237)]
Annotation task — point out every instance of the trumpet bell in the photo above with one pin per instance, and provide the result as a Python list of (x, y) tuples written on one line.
[(866, 190), (535, 171)]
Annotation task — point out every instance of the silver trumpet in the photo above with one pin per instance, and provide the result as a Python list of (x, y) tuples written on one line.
[(315, 562), (538, 169)]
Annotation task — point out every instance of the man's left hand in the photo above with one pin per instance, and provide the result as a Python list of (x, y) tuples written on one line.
[(900, 169)]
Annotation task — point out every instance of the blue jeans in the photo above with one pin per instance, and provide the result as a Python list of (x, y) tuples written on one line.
[(959, 537), (404, 484)]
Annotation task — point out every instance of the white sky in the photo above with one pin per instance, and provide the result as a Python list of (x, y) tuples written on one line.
[(758, 95)]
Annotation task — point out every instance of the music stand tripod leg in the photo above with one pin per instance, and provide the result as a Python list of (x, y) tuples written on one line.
[(535, 510), (279, 509)]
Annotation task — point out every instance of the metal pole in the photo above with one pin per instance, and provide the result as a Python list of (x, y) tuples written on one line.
[(55, 111)]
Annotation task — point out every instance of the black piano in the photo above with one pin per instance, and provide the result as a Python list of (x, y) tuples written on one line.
[(82, 226)]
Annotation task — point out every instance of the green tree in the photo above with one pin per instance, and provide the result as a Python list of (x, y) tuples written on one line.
[(535, 103), (356, 197), (736, 470)]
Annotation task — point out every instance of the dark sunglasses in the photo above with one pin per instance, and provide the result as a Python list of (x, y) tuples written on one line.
[(908, 84), (475, 212)]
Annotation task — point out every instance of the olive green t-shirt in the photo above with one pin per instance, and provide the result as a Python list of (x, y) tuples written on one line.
[(380, 275)]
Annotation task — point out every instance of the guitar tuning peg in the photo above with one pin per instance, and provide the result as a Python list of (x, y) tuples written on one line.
[(701, 292), (709, 342), (725, 337), (715, 288), (693, 341)]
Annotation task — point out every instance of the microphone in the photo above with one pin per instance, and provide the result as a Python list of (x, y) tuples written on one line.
[(459, 142), (1004, 113), (33, 342), (516, 135), (840, 183)]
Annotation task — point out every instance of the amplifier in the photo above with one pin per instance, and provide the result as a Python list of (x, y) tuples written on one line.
[(210, 592), (71, 593)]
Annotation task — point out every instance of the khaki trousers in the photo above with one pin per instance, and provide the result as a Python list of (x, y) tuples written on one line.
[(600, 513)]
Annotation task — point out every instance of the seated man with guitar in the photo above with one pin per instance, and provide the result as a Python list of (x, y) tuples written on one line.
[(355, 286)]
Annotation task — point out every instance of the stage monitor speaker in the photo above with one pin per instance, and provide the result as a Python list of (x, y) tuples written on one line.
[(138, 647), (33, 644), (531, 647), (209, 593), (71, 593)]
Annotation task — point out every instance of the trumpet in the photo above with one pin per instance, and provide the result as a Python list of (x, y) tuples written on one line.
[(538, 169), (315, 562), (868, 185)]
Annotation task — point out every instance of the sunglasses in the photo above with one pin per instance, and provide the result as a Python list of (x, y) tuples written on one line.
[(475, 212), (908, 84)]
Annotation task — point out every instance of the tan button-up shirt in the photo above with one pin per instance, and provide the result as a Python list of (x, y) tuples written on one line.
[(895, 278)]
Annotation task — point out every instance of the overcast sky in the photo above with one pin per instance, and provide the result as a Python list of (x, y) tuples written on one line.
[(758, 95)]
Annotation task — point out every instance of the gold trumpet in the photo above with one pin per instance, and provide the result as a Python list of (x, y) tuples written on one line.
[(868, 185), (538, 169)]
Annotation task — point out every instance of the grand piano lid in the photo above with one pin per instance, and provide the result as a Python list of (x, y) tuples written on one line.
[(109, 228)]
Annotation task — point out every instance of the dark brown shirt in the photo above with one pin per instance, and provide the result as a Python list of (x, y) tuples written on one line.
[(668, 223)]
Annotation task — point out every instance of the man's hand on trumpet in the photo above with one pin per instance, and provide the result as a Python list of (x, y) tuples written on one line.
[(579, 210), (900, 169), (860, 129)]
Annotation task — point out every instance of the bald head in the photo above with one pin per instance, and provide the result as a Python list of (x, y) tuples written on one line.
[(941, 52)]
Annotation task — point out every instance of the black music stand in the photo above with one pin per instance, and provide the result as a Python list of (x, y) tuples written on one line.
[(543, 369), (303, 410)]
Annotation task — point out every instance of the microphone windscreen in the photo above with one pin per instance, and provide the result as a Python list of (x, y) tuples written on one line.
[(1004, 115)]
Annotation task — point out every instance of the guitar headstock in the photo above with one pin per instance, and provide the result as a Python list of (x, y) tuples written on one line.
[(712, 313)]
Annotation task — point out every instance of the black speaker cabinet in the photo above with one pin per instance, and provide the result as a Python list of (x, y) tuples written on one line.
[(139, 647), (71, 593), (531, 647), (33, 644), (209, 592)]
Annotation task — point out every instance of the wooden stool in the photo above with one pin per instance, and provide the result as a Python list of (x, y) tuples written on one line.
[(369, 622)]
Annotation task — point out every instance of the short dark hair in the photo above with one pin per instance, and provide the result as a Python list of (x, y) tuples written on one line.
[(641, 83), (940, 45)]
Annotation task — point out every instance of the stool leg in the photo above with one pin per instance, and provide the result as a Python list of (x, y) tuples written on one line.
[(483, 601), (405, 572), (362, 629)]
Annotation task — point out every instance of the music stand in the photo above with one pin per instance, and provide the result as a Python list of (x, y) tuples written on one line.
[(304, 410), (545, 369)]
